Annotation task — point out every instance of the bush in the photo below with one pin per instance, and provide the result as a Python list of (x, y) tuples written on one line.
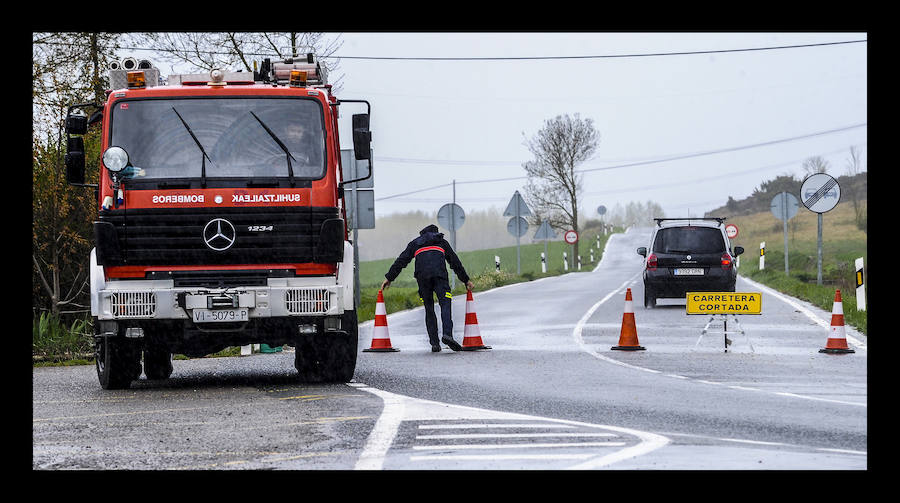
[(52, 337), (492, 279)]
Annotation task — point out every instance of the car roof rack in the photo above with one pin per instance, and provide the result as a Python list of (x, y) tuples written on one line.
[(717, 219)]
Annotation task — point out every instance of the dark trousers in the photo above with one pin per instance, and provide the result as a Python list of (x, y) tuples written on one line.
[(428, 289)]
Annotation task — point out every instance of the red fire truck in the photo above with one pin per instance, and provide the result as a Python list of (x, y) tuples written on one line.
[(221, 218)]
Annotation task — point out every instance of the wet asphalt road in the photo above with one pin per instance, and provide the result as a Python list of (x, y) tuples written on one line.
[(550, 394)]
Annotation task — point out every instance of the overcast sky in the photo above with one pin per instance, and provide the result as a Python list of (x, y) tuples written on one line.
[(434, 121)]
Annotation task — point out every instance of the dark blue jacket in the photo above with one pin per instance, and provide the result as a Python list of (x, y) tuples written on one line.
[(430, 250)]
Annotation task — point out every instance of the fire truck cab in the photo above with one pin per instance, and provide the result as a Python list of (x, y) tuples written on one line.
[(221, 218)]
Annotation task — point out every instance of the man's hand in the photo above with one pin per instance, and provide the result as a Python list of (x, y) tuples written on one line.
[(385, 284), (469, 285)]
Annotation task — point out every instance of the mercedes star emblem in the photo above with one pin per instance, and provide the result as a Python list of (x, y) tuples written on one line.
[(219, 234)]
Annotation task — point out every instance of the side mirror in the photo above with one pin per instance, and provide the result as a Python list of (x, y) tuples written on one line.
[(362, 137), (642, 251), (75, 160), (738, 250), (76, 124)]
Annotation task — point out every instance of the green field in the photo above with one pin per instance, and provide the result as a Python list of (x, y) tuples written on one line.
[(842, 244)]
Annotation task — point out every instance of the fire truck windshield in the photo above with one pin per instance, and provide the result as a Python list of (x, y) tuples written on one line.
[(161, 147)]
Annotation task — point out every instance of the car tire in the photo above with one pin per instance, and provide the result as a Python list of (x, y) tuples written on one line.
[(649, 298)]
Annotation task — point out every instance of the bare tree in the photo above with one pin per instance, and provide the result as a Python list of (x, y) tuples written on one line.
[(853, 188), (815, 164), (232, 50), (67, 68), (553, 185)]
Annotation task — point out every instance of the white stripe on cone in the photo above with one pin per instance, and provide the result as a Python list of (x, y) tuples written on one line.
[(471, 329)]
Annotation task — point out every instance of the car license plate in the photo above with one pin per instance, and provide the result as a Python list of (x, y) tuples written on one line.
[(689, 272), (220, 315)]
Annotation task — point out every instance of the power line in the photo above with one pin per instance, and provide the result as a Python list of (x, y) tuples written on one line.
[(630, 165), (604, 56), (731, 149), (487, 58), (642, 187)]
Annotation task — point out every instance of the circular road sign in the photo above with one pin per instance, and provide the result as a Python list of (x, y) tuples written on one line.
[(517, 226), (731, 231), (571, 237), (451, 216), (820, 193), (784, 204), (601, 210)]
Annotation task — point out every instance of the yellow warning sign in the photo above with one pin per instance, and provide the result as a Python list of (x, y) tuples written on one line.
[(724, 303)]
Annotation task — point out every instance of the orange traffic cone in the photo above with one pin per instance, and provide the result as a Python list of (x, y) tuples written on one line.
[(628, 340), (472, 335), (381, 338), (837, 340)]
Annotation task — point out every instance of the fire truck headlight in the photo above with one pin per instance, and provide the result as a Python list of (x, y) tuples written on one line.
[(115, 159)]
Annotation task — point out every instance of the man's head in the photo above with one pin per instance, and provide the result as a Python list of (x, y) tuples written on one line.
[(431, 228)]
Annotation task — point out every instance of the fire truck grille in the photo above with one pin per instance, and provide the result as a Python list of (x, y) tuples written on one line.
[(133, 304), (307, 300), (215, 236)]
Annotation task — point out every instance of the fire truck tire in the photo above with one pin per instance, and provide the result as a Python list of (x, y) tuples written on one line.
[(157, 363), (118, 361), (329, 357)]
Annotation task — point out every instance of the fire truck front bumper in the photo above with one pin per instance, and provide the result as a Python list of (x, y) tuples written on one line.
[(158, 299)]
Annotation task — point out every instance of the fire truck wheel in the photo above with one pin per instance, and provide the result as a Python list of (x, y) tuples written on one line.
[(329, 357), (118, 361), (157, 363)]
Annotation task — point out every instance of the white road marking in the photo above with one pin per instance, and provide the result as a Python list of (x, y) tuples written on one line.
[(490, 425), (579, 340), (449, 436), (384, 431), (809, 314), (500, 457), (760, 442), (530, 445), (399, 408)]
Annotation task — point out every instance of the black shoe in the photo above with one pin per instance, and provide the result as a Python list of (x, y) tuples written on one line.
[(435, 348), (448, 340)]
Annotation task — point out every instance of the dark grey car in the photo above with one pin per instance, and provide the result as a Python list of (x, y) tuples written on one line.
[(688, 255)]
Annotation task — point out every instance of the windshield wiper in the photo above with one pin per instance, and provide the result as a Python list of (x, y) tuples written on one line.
[(280, 144), (205, 156)]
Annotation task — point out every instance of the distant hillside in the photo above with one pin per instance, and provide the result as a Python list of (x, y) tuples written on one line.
[(762, 196)]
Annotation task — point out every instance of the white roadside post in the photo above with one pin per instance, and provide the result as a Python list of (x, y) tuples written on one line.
[(497, 262), (545, 234), (565, 261), (762, 255), (860, 286)]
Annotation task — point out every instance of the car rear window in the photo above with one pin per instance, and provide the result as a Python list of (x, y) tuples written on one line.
[(689, 240)]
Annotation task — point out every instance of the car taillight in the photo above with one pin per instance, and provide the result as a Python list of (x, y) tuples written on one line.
[(651, 262), (726, 261)]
